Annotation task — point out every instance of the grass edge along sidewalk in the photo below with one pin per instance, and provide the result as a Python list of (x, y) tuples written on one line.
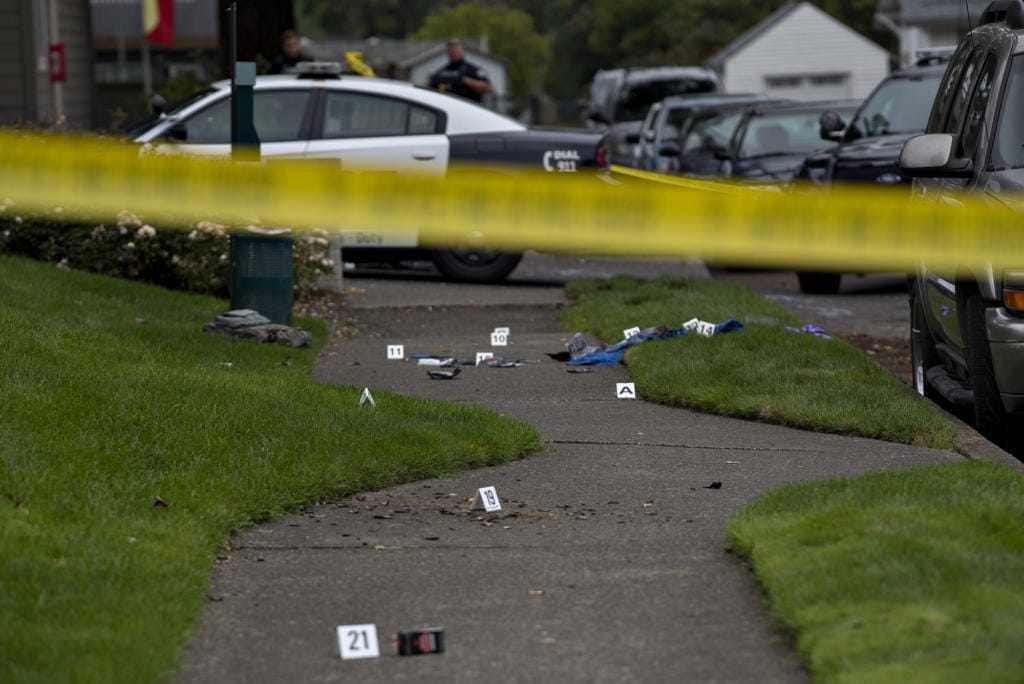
[(132, 445), (914, 575), (764, 373)]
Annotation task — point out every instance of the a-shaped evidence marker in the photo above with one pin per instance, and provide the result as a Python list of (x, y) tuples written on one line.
[(487, 499)]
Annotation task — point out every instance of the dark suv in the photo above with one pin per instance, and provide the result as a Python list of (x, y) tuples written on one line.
[(869, 144), (967, 322)]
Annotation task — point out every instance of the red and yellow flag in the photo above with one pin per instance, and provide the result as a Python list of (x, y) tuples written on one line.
[(158, 20)]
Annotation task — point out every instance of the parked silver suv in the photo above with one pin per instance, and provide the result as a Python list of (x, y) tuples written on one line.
[(967, 324)]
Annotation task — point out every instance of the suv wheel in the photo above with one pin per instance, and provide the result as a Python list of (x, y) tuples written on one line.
[(990, 417), (474, 266), (922, 345), (818, 283)]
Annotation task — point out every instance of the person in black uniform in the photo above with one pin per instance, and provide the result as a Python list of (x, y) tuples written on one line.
[(291, 54), (459, 77)]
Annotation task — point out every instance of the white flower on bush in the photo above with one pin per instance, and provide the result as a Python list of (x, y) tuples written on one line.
[(99, 230), (129, 245), (146, 231), (193, 235), (19, 220), (58, 210), (327, 263), (6, 234), (127, 218), (63, 263), (223, 258), (175, 259), (210, 228)]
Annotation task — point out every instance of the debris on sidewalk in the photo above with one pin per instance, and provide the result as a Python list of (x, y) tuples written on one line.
[(434, 361), (498, 362), (444, 374), (714, 485), (604, 355), (421, 641)]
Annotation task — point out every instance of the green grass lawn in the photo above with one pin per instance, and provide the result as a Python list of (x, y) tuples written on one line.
[(763, 373), (909, 576), (111, 397)]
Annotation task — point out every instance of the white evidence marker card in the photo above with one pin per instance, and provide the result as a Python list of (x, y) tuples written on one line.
[(629, 332), (358, 641), (499, 338), (625, 390), (487, 499), (396, 351), (483, 356), (700, 327)]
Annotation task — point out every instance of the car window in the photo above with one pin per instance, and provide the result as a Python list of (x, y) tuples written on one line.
[(711, 132), (636, 99), (961, 96), (780, 133), (899, 105), (975, 111), (1009, 139), (674, 123), (948, 86), (277, 115), (358, 115)]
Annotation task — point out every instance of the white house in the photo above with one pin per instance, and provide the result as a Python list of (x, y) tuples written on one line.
[(803, 53), (923, 24)]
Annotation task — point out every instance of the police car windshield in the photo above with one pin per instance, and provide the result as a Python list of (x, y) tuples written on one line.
[(900, 105), (1009, 147), (636, 99), (141, 127)]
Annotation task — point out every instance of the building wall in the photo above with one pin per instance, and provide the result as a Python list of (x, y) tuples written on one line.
[(26, 93), (15, 51), (808, 55)]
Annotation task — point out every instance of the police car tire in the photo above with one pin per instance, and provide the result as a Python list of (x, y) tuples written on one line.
[(474, 266), (819, 283)]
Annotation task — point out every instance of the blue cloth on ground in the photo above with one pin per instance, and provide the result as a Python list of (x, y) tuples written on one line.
[(612, 356)]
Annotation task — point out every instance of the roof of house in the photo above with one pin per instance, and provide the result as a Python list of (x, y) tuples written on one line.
[(776, 17), (924, 12)]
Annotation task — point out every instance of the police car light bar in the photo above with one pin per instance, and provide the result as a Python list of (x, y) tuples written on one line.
[(318, 70)]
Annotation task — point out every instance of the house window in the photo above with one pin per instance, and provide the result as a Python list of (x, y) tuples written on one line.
[(783, 81), (829, 79)]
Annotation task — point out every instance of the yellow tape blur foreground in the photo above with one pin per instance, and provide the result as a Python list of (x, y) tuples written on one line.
[(852, 229)]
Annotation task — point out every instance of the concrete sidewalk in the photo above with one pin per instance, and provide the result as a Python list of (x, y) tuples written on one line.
[(607, 562)]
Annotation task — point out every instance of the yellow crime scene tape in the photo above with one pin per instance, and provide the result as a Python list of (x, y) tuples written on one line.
[(625, 214)]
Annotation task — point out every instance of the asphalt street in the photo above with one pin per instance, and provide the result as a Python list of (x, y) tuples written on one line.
[(607, 561)]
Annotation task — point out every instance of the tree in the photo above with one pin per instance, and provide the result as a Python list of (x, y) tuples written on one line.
[(510, 35), (363, 18)]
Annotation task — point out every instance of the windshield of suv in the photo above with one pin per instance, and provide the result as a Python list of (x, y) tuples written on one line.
[(636, 99), (779, 133), (711, 133), (1009, 147), (900, 105)]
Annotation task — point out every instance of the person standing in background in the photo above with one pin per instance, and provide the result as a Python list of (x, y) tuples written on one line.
[(291, 54), (460, 77)]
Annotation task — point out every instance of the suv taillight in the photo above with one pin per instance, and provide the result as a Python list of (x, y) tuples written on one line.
[(601, 158)]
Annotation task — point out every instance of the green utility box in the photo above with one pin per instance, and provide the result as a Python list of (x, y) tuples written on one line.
[(261, 276)]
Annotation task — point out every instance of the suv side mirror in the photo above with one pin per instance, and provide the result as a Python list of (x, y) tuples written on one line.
[(831, 126), (934, 156), (632, 138)]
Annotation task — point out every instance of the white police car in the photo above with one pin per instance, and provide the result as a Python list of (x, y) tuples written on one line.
[(374, 124)]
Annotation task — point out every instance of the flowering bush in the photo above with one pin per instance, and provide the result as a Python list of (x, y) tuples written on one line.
[(191, 261)]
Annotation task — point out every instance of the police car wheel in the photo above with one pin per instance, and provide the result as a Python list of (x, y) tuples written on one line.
[(474, 266)]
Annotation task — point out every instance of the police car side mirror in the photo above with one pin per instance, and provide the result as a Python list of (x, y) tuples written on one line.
[(934, 156), (831, 126), (157, 105)]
